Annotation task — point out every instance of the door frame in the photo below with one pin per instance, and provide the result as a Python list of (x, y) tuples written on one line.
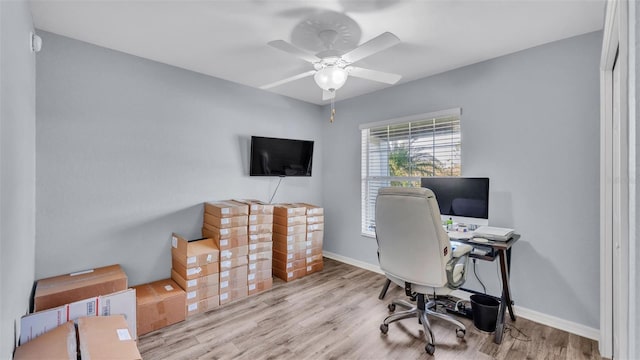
[(617, 283)]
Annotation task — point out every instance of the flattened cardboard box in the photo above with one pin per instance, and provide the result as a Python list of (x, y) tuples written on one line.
[(289, 210), (260, 219), (260, 247), (259, 275), (227, 222), (203, 305), (227, 242), (64, 289), (315, 227), (36, 324), (227, 208), (106, 337), (313, 251), (257, 206), (59, 343), (290, 230), (319, 219), (290, 220), (202, 293), (259, 238), (159, 304), (260, 229), (217, 234), (289, 275), (289, 266), (265, 255), (313, 259), (194, 253), (194, 284), (260, 286), (288, 239), (284, 257), (260, 265), (233, 278), (195, 272), (235, 252), (315, 267), (315, 237), (289, 248), (232, 294), (234, 263), (122, 303), (312, 210)]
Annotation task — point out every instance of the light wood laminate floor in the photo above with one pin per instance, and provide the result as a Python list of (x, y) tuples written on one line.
[(336, 314)]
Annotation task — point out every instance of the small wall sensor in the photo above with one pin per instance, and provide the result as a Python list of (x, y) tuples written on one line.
[(36, 42)]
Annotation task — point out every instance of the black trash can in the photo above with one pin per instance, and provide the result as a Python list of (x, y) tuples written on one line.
[(485, 312)]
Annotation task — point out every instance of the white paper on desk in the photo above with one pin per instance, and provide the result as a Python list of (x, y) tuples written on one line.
[(494, 233)]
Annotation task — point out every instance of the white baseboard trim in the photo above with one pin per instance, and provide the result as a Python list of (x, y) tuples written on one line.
[(558, 323), (544, 319), (354, 262)]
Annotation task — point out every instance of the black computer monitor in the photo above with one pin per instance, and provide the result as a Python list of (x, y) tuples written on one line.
[(463, 199)]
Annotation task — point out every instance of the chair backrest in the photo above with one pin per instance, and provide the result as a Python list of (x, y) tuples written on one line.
[(412, 244)]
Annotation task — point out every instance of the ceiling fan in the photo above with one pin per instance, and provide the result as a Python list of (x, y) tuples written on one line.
[(333, 67)]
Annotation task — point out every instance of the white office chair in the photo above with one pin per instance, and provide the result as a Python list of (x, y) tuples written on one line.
[(415, 253)]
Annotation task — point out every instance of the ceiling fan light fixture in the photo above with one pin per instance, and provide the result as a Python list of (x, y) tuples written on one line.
[(331, 78)]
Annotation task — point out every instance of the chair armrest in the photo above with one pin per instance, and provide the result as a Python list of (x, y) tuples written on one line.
[(456, 267), (461, 250)]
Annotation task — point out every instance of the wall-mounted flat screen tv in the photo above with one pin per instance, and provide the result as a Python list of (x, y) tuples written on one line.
[(280, 157)]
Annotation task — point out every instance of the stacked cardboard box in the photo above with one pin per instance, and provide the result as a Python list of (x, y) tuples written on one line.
[(226, 223), (106, 337), (159, 304), (97, 337), (315, 233), (64, 289), (260, 229), (289, 241), (196, 268)]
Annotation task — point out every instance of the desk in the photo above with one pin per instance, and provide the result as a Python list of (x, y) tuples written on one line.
[(502, 251), (499, 250)]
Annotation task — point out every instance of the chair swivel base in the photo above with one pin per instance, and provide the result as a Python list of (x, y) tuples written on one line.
[(421, 310)]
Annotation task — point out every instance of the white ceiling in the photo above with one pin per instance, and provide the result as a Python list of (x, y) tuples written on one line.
[(228, 39)]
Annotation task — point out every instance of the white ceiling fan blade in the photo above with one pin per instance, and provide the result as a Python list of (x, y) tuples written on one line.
[(328, 95), (292, 78), (289, 48), (374, 75), (377, 44)]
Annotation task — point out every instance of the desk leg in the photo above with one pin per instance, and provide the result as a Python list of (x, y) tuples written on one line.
[(505, 269), (385, 287), (505, 302)]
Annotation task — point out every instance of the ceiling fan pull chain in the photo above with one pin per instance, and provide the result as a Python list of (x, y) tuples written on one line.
[(333, 109)]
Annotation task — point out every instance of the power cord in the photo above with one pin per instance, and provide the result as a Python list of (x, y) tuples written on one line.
[(509, 329), (276, 190), (484, 288)]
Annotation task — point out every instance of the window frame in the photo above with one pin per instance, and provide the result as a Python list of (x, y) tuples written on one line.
[(365, 153)]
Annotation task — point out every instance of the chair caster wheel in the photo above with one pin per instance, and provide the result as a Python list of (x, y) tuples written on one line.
[(392, 307), (384, 328), (430, 349), (460, 333)]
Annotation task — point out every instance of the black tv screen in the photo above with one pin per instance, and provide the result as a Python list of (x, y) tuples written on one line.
[(280, 157)]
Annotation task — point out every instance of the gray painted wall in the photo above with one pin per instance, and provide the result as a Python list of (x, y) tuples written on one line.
[(17, 169), (129, 149), (531, 124)]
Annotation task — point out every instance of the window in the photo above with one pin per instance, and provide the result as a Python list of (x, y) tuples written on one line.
[(399, 152)]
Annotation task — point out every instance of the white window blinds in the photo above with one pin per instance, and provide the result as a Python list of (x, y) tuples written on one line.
[(399, 152)]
